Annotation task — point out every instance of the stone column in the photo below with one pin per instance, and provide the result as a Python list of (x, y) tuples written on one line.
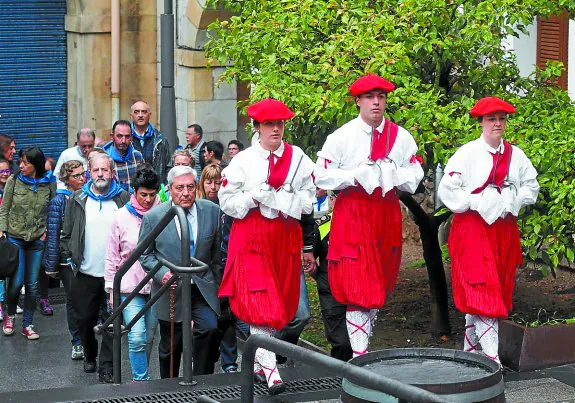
[(88, 24), (89, 69), (200, 97)]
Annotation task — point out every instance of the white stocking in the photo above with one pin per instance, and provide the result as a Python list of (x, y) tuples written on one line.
[(265, 359), (470, 339), (359, 329), (487, 329)]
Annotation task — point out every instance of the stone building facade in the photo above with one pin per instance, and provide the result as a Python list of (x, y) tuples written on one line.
[(200, 97)]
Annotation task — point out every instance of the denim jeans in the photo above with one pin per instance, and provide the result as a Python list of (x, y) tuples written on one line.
[(229, 344), (292, 330), (30, 256), (140, 337)]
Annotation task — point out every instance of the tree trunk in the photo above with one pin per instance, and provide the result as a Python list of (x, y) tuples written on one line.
[(428, 229)]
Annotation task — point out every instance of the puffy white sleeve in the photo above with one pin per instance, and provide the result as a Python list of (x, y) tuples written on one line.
[(300, 200), (306, 192), (328, 174), (234, 201), (409, 171), (453, 190), (528, 186)]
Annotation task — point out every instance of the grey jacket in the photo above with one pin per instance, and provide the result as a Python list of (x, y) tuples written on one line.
[(74, 227), (168, 245)]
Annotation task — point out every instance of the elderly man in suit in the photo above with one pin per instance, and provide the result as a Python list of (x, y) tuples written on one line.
[(204, 224)]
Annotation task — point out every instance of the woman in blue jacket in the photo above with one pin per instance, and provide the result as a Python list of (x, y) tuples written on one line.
[(73, 176)]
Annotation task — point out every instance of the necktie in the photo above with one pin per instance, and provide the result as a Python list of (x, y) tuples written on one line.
[(192, 243), (377, 148)]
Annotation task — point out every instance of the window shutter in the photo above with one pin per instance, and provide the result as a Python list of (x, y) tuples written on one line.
[(552, 38)]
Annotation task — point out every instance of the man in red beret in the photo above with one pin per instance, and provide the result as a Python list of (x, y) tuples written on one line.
[(367, 160), (269, 191), (486, 183)]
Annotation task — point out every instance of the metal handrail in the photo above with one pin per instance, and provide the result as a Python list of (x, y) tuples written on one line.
[(184, 272), (358, 375)]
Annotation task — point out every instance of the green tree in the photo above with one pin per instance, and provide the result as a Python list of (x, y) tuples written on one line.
[(442, 55)]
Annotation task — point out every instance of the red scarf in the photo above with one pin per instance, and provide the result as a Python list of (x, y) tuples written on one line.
[(379, 144), (500, 168), (279, 169)]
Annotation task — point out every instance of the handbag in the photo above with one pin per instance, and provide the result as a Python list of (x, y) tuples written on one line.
[(8, 257)]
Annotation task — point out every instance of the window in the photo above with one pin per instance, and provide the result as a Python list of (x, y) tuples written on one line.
[(552, 39)]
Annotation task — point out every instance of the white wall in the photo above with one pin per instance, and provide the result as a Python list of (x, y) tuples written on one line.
[(525, 48)]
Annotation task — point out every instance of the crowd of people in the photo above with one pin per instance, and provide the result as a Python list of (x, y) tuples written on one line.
[(261, 218)]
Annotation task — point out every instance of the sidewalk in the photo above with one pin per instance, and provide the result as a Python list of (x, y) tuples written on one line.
[(46, 364)]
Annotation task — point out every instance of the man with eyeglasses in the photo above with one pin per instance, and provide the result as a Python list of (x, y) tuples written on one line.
[(234, 147), (204, 226), (149, 141), (85, 139)]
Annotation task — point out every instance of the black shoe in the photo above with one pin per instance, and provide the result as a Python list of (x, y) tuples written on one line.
[(106, 377), (277, 388), (280, 359), (230, 369), (89, 366)]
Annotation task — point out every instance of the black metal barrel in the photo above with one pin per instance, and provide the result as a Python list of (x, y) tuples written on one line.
[(456, 375)]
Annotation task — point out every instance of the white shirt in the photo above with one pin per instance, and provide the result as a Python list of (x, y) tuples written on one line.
[(321, 209), (69, 154), (192, 216), (469, 169), (347, 150), (245, 180), (98, 226)]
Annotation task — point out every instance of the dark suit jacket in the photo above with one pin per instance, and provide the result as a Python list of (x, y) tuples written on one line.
[(168, 245)]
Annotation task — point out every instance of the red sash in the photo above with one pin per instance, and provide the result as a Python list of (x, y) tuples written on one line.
[(279, 169), (379, 146), (500, 168)]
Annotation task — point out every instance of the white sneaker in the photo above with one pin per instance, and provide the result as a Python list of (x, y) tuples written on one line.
[(78, 352), (19, 310)]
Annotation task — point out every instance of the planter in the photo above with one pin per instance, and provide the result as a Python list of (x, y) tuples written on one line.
[(527, 348)]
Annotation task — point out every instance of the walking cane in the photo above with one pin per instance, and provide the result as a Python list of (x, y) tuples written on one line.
[(172, 317)]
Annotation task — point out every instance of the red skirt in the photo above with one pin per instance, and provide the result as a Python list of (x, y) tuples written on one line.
[(484, 259), (262, 274), (364, 247)]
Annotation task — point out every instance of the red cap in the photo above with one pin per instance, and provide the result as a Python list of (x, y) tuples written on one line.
[(368, 83), (488, 105), (269, 109)]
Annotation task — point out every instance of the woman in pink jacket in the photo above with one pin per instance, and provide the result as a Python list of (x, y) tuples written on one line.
[(123, 240)]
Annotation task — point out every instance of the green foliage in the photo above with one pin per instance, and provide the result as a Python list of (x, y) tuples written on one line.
[(441, 54), (543, 319), (416, 264), (314, 332)]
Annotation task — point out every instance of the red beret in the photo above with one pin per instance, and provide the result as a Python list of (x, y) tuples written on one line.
[(269, 109), (368, 83), (488, 105)]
